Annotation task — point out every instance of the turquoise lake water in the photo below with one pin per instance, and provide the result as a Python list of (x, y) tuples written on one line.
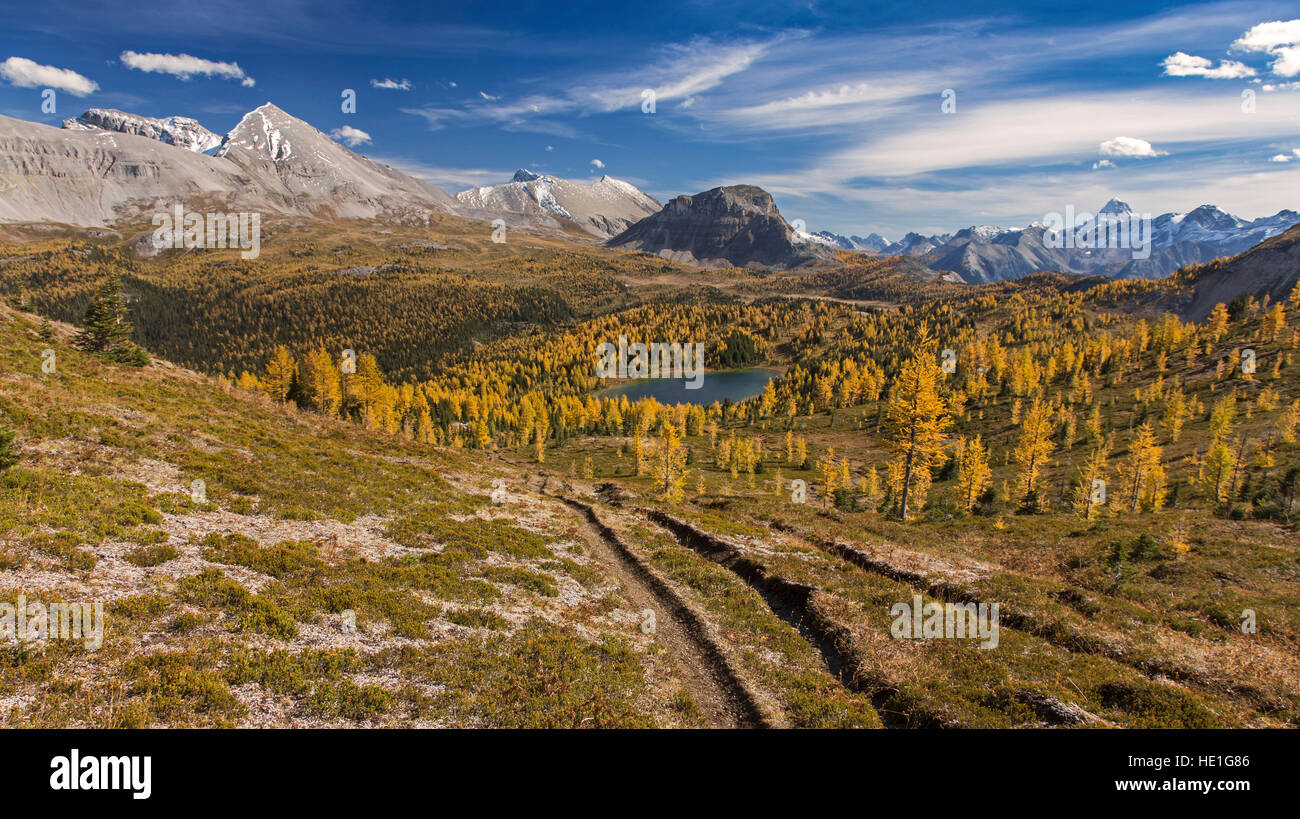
[(715, 386)]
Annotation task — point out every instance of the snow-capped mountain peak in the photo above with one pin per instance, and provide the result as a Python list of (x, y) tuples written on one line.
[(261, 131), (985, 253), (603, 208), (1115, 207), (873, 242), (987, 233)]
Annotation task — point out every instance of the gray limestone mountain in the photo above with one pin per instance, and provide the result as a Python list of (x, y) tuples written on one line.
[(604, 208), (270, 162), (183, 132), (293, 159), (106, 167), (738, 225), (91, 178)]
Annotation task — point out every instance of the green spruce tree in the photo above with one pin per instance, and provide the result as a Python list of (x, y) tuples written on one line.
[(7, 456), (106, 329)]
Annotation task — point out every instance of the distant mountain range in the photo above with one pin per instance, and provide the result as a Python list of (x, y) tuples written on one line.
[(603, 208), (107, 166), (874, 242), (987, 253)]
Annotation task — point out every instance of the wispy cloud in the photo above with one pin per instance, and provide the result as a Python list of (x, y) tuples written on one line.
[(452, 179), (25, 73), (682, 71), (1008, 159), (391, 84)]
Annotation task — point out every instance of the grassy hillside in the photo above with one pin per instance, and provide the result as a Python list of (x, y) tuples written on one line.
[(469, 534), (232, 611)]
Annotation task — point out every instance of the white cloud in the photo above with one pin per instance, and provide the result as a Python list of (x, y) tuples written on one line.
[(1267, 36), (1280, 39), (25, 73), (1280, 158), (184, 66), (550, 147), (596, 163), (485, 95), (391, 84), (352, 137), (1130, 147), (1287, 63), (1102, 163), (1181, 64)]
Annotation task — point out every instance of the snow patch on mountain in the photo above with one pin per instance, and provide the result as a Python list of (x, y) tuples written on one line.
[(258, 133)]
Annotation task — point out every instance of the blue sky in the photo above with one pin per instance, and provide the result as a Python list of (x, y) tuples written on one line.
[(836, 108)]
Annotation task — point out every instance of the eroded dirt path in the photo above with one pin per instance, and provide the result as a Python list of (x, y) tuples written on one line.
[(705, 673)]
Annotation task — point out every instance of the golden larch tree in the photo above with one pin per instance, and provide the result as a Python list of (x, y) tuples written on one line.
[(1033, 450), (915, 421), (973, 472)]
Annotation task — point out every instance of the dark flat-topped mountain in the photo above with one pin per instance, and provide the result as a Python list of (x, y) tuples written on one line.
[(737, 225)]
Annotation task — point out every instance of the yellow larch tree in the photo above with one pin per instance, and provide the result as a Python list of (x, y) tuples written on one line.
[(1033, 450), (915, 420), (973, 472)]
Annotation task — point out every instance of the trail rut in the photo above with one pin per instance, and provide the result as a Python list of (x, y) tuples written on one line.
[(722, 696)]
